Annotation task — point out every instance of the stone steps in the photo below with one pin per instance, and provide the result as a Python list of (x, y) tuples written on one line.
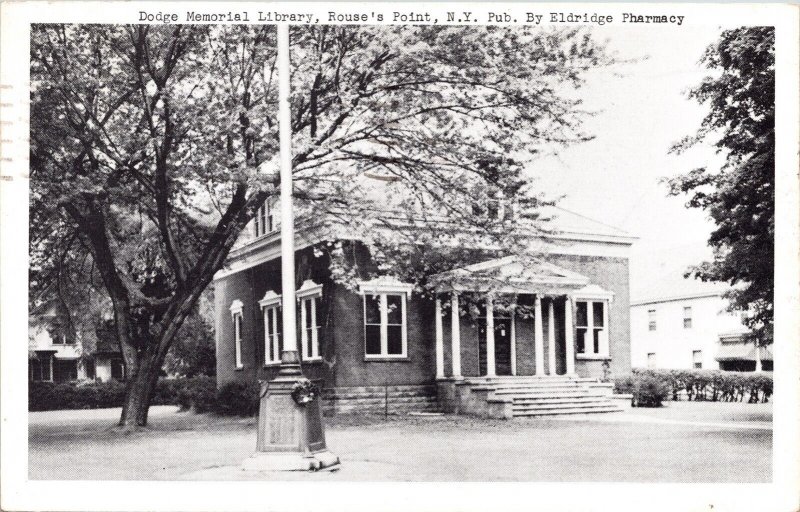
[(527, 412), (537, 389), (508, 397), (524, 400)]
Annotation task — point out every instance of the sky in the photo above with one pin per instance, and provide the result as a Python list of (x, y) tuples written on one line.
[(616, 178)]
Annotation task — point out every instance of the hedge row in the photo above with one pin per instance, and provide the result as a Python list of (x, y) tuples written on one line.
[(196, 393), (699, 385)]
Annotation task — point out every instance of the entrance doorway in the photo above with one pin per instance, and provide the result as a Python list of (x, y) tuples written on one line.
[(502, 345)]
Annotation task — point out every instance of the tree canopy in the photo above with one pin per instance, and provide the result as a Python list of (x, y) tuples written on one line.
[(152, 147), (740, 196)]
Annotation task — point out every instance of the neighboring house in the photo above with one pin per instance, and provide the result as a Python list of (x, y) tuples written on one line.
[(683, 323), (386, 333), (56, 353)]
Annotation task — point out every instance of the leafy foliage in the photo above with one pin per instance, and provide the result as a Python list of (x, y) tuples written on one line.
[(702, 385), (193, 352), (237, 399), (648, 391), (739, 197), (153, 147)]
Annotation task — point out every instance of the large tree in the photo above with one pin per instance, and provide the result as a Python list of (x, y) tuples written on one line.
[(739, 196), (153, 147)]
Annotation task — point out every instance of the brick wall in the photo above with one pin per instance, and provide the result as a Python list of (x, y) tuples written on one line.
[(611, 274), (249, 286), (342, 343)]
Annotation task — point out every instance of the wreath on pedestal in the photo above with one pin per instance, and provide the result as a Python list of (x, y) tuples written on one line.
[(304, 391)]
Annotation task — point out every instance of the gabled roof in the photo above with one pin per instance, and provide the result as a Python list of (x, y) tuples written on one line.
[(572, 232), (672, 287), (570, 222)]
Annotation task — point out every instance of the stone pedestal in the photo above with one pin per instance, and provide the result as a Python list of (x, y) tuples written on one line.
[(291, 436)]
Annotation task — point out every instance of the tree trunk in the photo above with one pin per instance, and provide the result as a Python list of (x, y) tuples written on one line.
[(141, 385)]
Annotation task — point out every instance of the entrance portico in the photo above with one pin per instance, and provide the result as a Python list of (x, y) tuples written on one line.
[(510, 318)]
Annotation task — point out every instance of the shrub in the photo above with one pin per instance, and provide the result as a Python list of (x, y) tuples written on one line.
[(47, 396), (237, 399), (198, 393), (649, 391), (715, 385), (623, 384)]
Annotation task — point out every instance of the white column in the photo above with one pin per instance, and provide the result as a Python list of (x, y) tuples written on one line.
[(513, 342), (758, 357), (287, 214), (604, 338), (569, 352), (439, 341), (455, 330), (551, 338), (538, 336), (490, 364), (306, 354)]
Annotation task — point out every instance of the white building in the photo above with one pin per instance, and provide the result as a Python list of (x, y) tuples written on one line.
[(684, 324), (56, 351)]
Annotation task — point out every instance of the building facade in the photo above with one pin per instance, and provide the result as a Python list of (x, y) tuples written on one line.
[(56, 353), (692, 329), (384, 333)]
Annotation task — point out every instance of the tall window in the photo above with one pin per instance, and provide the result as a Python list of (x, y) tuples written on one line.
[(697, 358), (687, 317), (590, 324), (651, 360), (236, 316), (310, 297), (273, 325), (384, 324), (651, 319), (310, 309)]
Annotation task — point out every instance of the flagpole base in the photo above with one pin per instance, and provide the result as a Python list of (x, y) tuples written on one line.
[(291, 435), (265, 461)]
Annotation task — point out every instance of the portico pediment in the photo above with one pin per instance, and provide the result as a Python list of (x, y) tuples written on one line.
[(511, 275)]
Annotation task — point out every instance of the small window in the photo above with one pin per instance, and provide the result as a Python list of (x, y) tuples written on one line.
[(40, 368), (651, 360), (687, 317), (651, 319), (65, 370), (697, 358), (264, 221), (117, 369)]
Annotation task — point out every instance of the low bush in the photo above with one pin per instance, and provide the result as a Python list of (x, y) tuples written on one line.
[(198, 394), (237, 399), (700, 385), (623, 384), (649, 391), (47, 396)]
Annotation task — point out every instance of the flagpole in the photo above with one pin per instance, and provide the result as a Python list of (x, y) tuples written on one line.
[(289, 355), (291, 433)]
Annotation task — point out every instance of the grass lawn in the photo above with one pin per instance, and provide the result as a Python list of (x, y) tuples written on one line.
[(682, 442)]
